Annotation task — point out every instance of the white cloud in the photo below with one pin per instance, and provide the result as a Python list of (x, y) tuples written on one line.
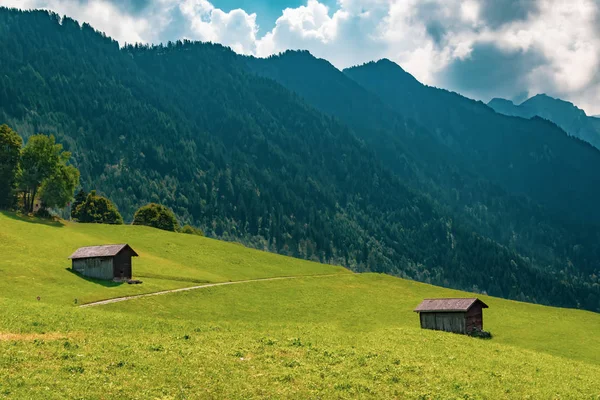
[(236, 28), (101, 14), (354, 36), (469, 10), (426, 37), (566, 33)]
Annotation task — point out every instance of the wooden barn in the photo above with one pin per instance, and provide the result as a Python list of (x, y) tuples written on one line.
[(106, 262), (451, 315)]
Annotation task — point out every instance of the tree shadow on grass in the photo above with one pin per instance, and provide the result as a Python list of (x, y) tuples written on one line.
[(96, 281), (32, 220)]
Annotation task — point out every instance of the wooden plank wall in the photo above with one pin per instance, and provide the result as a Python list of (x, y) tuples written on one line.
[(475, 318), (449, 322), (99, 268)]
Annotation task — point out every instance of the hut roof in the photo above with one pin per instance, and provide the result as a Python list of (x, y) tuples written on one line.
[(448, 305), (109, 250)]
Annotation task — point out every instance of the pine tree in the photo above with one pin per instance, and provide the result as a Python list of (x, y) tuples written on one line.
[(10, 151)]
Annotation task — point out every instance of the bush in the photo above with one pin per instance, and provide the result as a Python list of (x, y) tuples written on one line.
[(156, 216), (98, 209), (480, 333), (43, 213), (190, 230)]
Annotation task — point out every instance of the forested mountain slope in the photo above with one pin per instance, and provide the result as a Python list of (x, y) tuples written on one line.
[(532, 157), (190, 126), (454, 179), (398, 141), (563, 113)]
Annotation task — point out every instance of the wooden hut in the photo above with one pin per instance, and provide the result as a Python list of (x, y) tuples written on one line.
[(451, 315), (106, 262)]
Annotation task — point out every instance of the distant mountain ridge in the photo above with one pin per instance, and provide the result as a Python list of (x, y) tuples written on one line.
[(530, 157), (565, 114), (458, 149)]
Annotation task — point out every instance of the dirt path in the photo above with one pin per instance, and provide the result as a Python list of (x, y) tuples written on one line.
[(137, 296)]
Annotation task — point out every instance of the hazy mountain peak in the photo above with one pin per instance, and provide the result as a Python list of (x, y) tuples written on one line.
[(565, 114), (389, 63), (391, 66), (385, 69), (499, 100), (305, 54), (301, 59), (544, 99), (541, 96)]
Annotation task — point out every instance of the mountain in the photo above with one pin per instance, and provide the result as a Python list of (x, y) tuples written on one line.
[(185, 125), (453, 179), (195, 127), (533, 157), (404, 146), (569, 117), (507, 107)]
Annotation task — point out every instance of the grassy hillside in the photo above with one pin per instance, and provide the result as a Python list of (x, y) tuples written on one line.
[(340, 336), (37, 251)]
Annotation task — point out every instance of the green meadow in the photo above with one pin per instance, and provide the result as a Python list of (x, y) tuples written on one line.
[(326, 334), (35, 260)]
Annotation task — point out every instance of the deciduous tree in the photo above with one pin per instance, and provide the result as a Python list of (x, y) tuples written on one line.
[(157, 216), (58, 189), (42, 159), (98, 209)]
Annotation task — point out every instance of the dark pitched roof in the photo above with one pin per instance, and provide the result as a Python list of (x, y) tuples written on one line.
[(448, 305), (108, 250)]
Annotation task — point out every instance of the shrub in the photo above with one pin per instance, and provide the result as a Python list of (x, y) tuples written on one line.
[(190, 230), (43, 213), (479, 333), (98, 209), (156, 216)]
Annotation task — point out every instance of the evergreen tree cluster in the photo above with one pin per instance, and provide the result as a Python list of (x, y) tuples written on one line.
[(10, 154), (192, 127)]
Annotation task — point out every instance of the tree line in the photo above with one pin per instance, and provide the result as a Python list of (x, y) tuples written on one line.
[(37, 177), (37, 171)]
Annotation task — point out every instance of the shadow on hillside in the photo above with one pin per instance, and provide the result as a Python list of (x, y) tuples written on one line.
[(96, 281), (32, 220)]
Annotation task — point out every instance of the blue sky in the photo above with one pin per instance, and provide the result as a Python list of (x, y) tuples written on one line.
[(480, 48)]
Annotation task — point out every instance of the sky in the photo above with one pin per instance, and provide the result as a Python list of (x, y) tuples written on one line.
[(480, 48)]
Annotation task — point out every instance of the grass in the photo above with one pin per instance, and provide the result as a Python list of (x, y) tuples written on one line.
[(36, 256), (341, 336)]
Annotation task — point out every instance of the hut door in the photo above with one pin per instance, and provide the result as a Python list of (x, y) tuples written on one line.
[(126, 267)]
